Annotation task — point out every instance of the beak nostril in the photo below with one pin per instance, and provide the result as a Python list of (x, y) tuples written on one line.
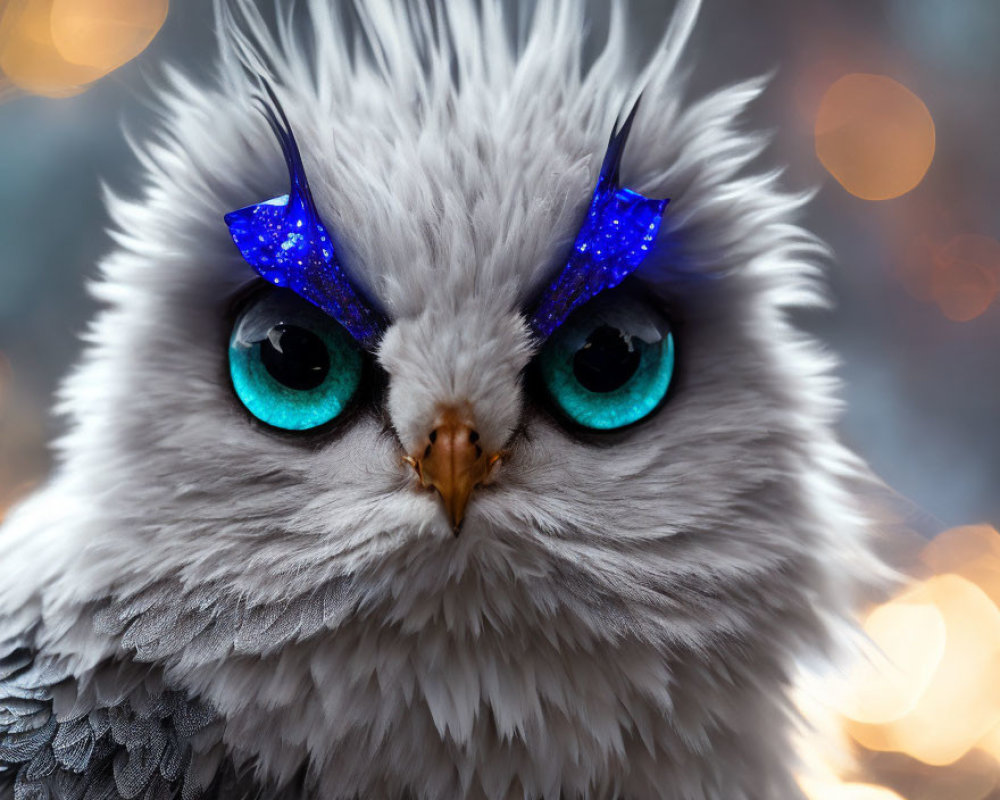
[(453, 463)]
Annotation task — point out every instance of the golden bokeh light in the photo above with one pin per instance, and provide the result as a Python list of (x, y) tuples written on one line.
[(972, 777), (874, 136), (972, 551), (835, 790), (28, 56), (990, 744), (962, 703), (966, 278), (56, 48), (104, 34), (911, 640), (961, 275), (924, 717)]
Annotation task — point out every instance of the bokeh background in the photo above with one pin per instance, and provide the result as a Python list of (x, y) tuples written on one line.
[(888, 108)]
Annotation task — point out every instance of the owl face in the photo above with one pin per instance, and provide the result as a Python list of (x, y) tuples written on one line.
[(426, 445), (655, 459), (295, 370)]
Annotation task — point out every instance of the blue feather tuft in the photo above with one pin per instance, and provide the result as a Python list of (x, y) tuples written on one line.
[(615, 238), (287, 244)]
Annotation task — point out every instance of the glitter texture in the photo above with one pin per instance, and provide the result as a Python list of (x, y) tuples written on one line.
[(613, 241), (285, 241)]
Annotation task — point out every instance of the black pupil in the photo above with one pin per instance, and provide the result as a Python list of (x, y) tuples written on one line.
[(295, 357), (607, 361)]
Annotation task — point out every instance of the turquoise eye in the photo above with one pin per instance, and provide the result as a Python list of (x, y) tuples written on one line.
[(291, 365), (609, 366)]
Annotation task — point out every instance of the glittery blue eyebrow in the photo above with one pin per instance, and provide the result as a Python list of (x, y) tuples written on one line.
[(613, 241), (287, 244)]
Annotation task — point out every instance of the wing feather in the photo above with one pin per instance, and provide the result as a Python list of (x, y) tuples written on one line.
[(133, 741)]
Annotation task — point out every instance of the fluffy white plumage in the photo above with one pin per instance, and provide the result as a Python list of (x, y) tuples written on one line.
[(618, 619)]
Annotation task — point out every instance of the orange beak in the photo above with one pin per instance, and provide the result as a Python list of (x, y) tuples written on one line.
[(453, 463)]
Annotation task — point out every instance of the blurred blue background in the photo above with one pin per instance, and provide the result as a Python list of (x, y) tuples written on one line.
[(921, 391)]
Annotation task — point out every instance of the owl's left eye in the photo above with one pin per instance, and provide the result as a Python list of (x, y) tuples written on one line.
[(291, 365), (610, 364)]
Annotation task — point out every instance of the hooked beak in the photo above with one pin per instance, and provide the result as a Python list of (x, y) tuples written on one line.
[(453, 463)]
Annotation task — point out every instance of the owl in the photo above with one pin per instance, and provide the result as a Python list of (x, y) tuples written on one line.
[(444, 434)]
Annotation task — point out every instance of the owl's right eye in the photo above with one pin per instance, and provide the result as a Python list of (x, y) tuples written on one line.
[(611, 363), (291, 365)]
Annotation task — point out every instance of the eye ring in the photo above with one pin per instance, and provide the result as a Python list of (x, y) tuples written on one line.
[(293, 368), (610, 366)]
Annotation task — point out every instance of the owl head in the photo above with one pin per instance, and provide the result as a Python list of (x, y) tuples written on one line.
[(423, 321)]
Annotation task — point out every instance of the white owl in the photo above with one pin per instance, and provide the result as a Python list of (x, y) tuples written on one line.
[(422, 448)]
